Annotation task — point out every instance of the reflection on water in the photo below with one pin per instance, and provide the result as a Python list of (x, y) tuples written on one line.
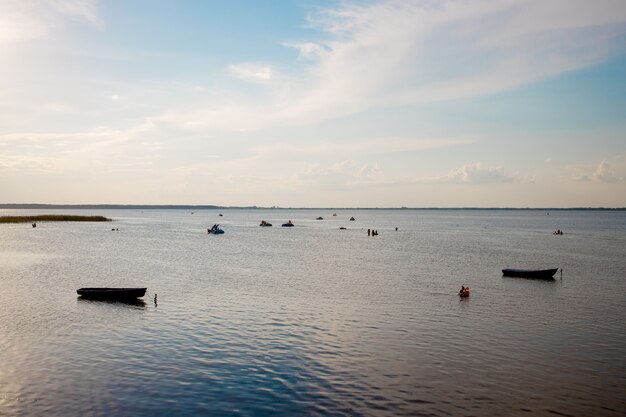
[(316, 321), (546, 280), (135, 302)]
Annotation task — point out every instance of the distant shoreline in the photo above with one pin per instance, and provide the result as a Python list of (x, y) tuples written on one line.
[(214, 207)]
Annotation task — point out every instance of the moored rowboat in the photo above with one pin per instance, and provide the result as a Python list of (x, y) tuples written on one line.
[(530, 273), (111, 293)]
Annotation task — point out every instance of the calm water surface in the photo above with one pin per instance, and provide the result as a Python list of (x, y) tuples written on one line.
[(313, 320)]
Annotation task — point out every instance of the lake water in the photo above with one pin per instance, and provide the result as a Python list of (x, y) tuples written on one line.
[(313, 320)]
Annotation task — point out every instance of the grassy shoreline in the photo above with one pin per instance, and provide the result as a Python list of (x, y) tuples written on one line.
[(52, 218)]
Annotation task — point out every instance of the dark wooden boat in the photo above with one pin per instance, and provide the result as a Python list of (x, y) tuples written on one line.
[(530, 273), (111, 293)]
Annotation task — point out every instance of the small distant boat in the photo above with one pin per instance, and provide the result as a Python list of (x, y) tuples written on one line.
[(265, 224), (351, 219), (342, 228), (288, 224), (334, 214), (221, 215), (465, 292), (320, 218), (530, 273), (111, 293)]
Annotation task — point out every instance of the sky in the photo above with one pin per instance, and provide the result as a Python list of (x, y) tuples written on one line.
[(302, 103)]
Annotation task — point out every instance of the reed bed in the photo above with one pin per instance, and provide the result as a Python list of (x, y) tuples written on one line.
[(52, 218)]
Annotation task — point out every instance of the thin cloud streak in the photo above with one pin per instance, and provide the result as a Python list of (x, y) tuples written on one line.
[(479, 174), (252, 72), (370, 146), (408, 53), (350, 173), (32, 19)]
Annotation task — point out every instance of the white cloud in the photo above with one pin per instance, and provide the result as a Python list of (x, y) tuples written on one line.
[(477, 173), (32, 164), (306, 50), (250, 71), (604, 173), (103, 149), (85, 9), (381, 54), (395, 53), (351, 173), (341, 174), (31, 19)]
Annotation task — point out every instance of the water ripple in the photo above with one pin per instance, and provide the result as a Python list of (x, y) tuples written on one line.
[(314, 322)]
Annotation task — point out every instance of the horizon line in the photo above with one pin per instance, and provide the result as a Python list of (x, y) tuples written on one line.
[(213, 207)]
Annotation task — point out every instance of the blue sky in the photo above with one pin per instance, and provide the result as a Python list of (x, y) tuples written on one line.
[(310, 103)]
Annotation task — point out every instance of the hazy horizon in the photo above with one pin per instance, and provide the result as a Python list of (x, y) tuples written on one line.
[(324, 103), (19, 206)]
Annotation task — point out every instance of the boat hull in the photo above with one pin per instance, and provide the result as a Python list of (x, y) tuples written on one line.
[(111, 293), (530, 273)]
